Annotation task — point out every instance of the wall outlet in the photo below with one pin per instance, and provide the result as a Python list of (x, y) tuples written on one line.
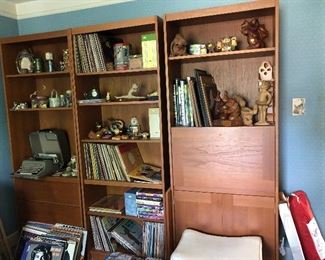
[(298, 106)]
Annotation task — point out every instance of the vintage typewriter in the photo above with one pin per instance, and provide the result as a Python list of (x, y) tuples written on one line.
[(51, 153)]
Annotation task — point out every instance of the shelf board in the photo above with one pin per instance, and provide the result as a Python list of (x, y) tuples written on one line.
[(181, 128), (109, 141), (40, 75), (121, 103), (42, 109), (118, 72), (124, 184), (103, 214), (51, 179), (226, 55)]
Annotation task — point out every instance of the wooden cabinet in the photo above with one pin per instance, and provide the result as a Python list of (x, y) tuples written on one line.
[(117, 82), (225, 179), (51, 198)]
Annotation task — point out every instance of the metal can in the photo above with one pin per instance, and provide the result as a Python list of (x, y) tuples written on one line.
[(121, 56)]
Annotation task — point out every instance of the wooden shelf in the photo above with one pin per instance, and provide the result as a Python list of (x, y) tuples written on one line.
[(42, 109), (118, 72), (213, 128), (121, 103), (92, 213), (109, 141), (51, 179), (123, 184), (40, 75), (226, 55)]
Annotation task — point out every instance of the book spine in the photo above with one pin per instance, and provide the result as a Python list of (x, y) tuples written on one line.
[(97, 243)]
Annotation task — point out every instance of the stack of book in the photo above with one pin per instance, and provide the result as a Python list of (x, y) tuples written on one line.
[(150, 204), (153, 240), (101, 229), (89, 55), (111, 162), (57, 242), (194, 100)]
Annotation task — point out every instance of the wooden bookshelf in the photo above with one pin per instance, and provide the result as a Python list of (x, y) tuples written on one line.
[(117, 83), (50, 198), (225, 179)]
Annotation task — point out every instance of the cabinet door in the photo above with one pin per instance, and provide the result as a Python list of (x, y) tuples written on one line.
[(236, 160), (227, 215)]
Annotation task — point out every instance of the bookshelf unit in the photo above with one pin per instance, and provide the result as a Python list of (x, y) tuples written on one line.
[(224, 180), (117, 83), (50, 198)]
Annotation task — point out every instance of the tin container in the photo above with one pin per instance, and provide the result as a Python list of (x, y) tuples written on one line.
[(121, 56), (135, 62)]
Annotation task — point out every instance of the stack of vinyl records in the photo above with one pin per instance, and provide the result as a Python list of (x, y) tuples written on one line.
[(153, 239), (150, 204)]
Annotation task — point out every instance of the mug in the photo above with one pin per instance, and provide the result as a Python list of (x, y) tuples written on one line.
[(54, 100)]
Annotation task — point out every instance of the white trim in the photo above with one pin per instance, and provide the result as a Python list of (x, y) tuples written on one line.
[(37, 8), (8, 9)]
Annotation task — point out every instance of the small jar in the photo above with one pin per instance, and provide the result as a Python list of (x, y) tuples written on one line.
[(49, 62)]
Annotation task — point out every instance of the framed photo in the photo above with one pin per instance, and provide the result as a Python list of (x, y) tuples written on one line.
[(25, 62)]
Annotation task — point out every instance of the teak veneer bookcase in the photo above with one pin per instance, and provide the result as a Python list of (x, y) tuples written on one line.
[(153, 151), (51, 199), (225, 179)]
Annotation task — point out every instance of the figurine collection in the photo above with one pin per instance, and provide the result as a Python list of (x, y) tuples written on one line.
[(254, 31)]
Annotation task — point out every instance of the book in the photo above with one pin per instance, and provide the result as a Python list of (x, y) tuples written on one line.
[(129, 235), (42, 250), (147, 173), (130, 158), (109, 204), (207, 91)]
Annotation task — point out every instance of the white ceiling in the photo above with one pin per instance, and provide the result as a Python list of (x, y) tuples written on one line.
[(21, 9)]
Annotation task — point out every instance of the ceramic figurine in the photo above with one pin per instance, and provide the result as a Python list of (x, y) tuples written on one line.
[(131, 94), (263, 101), (255, 33), (134, 127), (266, 71), (227, 44)]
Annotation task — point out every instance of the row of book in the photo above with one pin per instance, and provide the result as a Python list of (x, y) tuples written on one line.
[(89, 55), (141, 241), (194, 100), (150, 204), (110, 162), (47, 241)]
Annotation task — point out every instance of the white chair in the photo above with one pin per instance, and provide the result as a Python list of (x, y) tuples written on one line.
[(195, 245)]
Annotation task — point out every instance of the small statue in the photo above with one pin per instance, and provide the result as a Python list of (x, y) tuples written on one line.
[(178, 46), (134, 128), (263, 101), (245, 112), (266, 71), (255, 33), (227, 44), (227, 111), (211, 47), (108, 97), (117, 126), (131, 94)]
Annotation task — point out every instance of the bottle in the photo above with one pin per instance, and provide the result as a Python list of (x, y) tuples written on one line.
[(49, 62)]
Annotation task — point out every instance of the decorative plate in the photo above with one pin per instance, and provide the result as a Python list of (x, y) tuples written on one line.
[(25, 62)]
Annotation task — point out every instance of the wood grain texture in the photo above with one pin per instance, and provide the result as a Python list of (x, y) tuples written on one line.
[(237, 160), (227, 215)]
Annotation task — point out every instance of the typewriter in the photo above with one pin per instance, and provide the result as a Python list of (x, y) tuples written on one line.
[(51, 154)]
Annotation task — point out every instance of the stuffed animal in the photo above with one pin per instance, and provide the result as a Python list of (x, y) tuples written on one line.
[(178, 46)]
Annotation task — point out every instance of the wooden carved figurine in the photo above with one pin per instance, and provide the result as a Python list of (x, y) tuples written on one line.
[(178, 46), (226, 111), (255, 33), (246, 113), (263, 101), (266, 71)]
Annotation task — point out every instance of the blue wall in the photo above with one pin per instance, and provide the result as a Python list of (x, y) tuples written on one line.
[(302, 34), (9, 27)]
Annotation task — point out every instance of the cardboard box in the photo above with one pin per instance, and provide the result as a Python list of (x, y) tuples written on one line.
[(154, 123), (149, 50)]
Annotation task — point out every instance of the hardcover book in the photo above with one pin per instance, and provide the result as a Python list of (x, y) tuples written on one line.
[(109, 204)]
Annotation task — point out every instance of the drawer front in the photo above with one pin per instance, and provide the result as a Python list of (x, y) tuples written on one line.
[(227, 215), (236, 160)]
